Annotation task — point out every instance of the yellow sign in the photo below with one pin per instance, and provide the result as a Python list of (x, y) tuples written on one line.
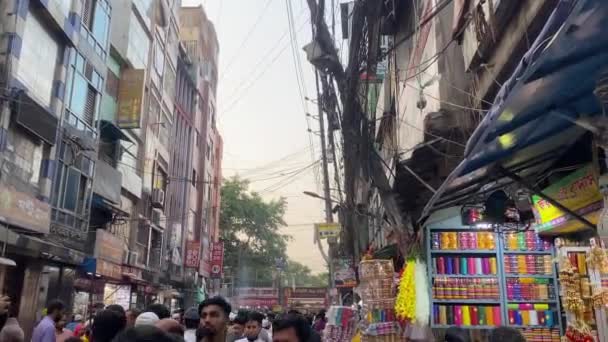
[(327, 230), (578, 192), (130, 97)]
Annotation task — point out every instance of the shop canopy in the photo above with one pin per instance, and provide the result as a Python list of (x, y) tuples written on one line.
[(536, 115)]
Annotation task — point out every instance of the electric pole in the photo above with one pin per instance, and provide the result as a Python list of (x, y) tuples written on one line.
[(329, 217)]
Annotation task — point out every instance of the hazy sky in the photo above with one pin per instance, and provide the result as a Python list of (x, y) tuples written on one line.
[(260, 114)]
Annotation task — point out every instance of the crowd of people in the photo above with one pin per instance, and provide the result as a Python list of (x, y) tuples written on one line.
[(212, 321)]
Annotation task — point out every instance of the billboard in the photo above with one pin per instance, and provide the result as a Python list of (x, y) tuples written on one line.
[(579, 192), (192, 254), (130, 98), (217, 259)]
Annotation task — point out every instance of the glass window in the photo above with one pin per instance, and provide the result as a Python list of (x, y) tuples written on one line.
[(72, 190), (139, 44), (79, 95), (101, 23), (159, 58), (38, 45)]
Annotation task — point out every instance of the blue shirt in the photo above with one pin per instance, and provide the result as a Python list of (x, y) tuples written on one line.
[(44, 331)]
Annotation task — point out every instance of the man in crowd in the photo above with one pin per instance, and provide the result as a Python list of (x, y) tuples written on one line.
[(106, 325), (291, 328), (45, 330), (132, 316), (214, 319), (253, 327), (191, 321), (160, 310)]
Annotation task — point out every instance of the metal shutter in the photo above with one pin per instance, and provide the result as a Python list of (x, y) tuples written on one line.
[(89, 107)]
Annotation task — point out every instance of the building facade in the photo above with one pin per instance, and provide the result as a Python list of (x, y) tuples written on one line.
[(95, 206)]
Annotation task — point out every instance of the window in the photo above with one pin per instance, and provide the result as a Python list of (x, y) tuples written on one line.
[(112, 84), (96, 21), (83, 93), (25, 157), (159, 58), (193, 177), (169, 81), (139, 43), (38, 46), (160, 179), (73, 183)]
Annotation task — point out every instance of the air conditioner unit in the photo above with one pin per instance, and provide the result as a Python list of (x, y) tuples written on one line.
[(133, 258), (158, 198), (159, 218)]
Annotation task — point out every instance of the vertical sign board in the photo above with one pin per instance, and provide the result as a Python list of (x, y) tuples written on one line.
[(217, 259), (130, 98), (192, 254)]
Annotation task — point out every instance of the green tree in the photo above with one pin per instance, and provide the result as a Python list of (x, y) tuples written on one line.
[(250, 231), (301, 276)]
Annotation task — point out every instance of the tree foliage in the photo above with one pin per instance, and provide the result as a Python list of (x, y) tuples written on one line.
[(253, 243)]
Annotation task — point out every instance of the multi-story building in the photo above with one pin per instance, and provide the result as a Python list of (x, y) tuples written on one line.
[(200, 40)]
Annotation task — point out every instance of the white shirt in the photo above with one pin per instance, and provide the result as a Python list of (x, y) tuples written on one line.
[(244, 339), (190, 335)]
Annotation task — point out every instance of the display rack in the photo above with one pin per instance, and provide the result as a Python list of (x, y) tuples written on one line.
[(518, 281), (530, 285), (464, 272)]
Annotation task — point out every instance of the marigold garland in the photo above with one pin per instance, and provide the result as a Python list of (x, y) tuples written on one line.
[(405, 303)]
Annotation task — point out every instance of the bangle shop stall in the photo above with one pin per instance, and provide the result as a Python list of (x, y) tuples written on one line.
[(515, 236)]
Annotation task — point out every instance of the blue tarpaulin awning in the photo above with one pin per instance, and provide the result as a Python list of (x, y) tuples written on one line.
[(533, 119)]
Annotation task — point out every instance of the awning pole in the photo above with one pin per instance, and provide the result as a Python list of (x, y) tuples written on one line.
[(536, 191)]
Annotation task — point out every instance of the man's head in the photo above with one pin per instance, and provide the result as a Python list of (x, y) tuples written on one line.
[(106, 325), (238, 324), (60, 324), (78, 318), (214, 314), (291, 328), (144, 333), (160, 310), (506, 334), (191, 318), (132, 316), (55, 310), (119, 310), (253, 325)]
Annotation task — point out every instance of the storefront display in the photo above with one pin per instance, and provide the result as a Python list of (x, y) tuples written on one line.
[(377, 291), (341, 324), (471, 289)]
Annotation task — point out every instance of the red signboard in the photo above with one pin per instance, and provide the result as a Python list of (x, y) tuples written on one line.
[(217, 259), (192, 254)]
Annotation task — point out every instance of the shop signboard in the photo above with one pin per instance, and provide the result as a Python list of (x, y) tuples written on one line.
[(344, 273), (109, 269), (578, 192), (192, 254), (312, 297), (256, 296), (217, 259), (327, 230), (24, 210), (109, 247), (130, 96)]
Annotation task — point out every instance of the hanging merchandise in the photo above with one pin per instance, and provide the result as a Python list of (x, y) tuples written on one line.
[(341, 324), (580, 333), (405, 303), (377, 291)]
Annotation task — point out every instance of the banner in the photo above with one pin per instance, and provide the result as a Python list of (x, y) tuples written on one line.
[(578, 192), (130, 97), (192, 254), (217, 259), (327, 230), (344, 273)]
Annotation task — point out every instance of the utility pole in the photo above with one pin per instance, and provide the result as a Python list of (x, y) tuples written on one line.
[(329, 217)]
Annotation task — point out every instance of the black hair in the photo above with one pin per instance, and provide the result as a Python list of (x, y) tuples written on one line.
[(106, 325), (55, 304), (255, 316), (160, 310), (456, 334), (135, 312), (119, 310), (217, 300), (297, 322), (506, 334), (321, 314), (241, 318), (143, 333), (191, 323)]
